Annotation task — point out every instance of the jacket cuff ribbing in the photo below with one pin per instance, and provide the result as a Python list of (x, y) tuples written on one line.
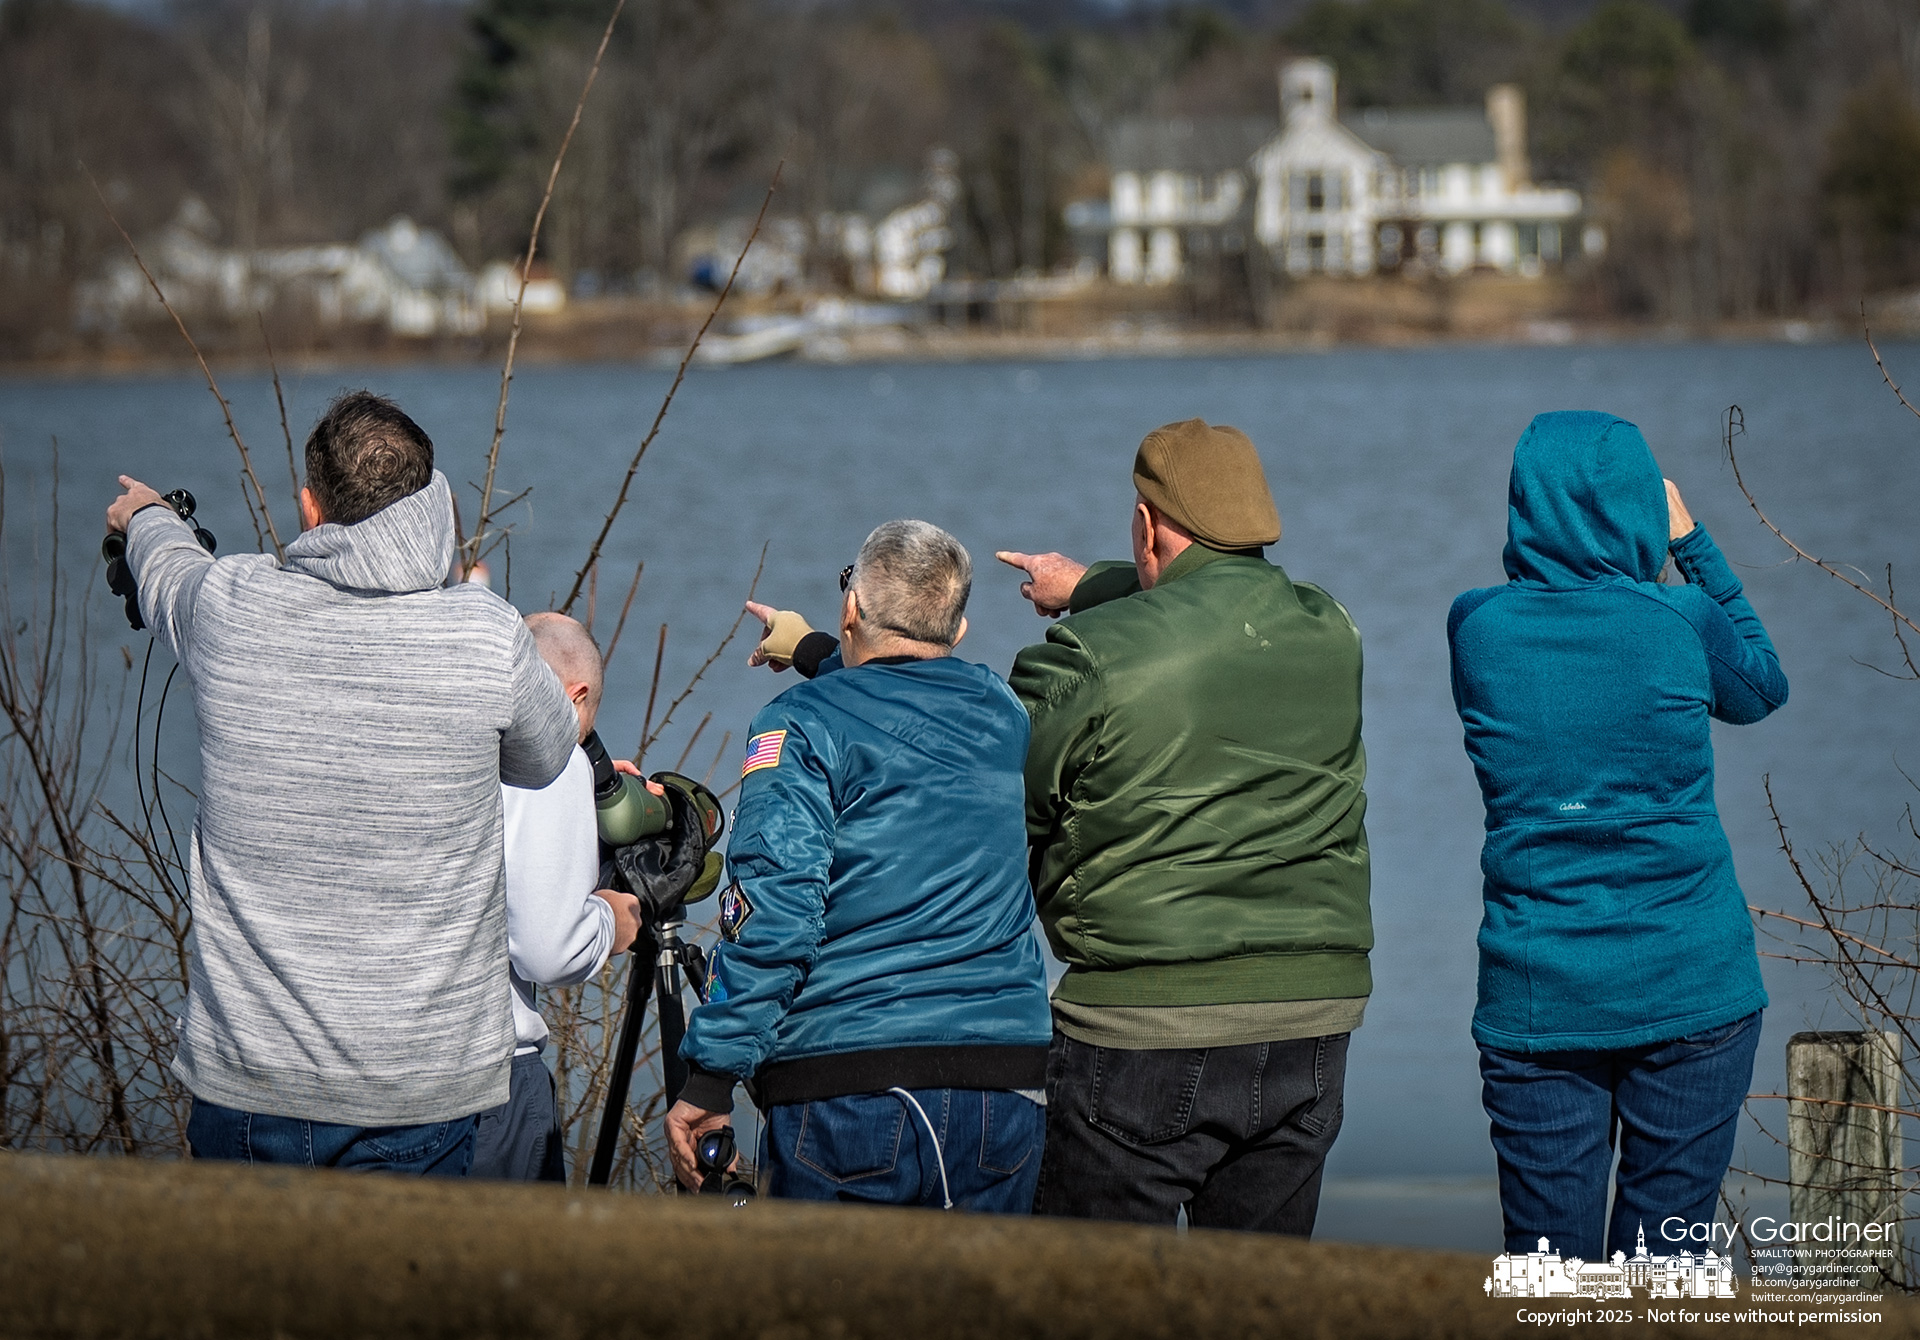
[(708, 1091), (1702, 564), (811, 650)]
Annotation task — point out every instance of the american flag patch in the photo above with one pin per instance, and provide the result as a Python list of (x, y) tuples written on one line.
[(763, 751)]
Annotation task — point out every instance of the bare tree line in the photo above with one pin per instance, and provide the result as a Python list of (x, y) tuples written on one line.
[(1749, 157)]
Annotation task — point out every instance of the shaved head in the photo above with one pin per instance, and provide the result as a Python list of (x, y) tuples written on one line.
[(569, 649)]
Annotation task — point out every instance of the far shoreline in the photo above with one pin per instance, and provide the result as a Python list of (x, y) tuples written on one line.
[(895, 347)]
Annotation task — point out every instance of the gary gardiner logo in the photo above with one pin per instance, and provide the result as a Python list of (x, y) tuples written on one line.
[(1544, 1274)]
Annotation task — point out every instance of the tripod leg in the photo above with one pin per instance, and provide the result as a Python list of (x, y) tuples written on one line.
[(638, 979), (672, 1011)]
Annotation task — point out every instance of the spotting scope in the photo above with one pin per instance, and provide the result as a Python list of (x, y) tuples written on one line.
[(674, 866), (627, 811)]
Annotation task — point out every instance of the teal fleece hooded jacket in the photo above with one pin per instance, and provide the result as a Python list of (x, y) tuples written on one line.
[(1613, 918)]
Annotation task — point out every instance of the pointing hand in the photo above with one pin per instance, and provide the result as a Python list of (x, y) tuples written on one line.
[(780, 634), (1050, 580), (137, 495)]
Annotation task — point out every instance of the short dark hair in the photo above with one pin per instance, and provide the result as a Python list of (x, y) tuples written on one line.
[(365, 455)]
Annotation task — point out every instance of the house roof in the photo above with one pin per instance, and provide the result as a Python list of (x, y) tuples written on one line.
[(418, 257), (1426, 137), (1187, 144)]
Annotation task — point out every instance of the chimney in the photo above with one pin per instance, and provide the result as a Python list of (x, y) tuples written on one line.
[(1507, 114)]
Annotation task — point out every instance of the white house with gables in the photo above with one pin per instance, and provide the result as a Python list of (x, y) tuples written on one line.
[(1177, 185), (1444, 190), (1447, 189)]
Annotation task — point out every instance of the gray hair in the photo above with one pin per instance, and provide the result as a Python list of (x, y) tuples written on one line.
[(913, 579)]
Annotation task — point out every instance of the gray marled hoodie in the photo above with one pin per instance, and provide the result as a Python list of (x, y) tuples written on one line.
[(356, 721)]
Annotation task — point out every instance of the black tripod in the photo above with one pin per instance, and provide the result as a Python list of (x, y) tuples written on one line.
[(673, 965)]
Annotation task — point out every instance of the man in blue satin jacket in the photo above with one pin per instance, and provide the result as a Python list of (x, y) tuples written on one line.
[(877, 978)]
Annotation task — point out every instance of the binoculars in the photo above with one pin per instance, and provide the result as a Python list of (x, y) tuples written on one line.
[(114, 550), (713, 1157)]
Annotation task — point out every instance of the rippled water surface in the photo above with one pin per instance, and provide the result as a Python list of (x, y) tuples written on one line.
[(1390, 471)]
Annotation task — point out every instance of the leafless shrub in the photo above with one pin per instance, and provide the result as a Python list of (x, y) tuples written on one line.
[(93, 934), (1861, 922)]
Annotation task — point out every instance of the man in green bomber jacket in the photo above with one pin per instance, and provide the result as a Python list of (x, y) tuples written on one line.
[(1199, 855)]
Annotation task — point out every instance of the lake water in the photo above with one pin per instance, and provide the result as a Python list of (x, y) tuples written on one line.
[(1390, 471)]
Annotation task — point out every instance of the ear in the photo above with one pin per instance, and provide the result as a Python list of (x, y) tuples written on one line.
[(578, 692), (309, 511), (1147, 529), (957, 636)]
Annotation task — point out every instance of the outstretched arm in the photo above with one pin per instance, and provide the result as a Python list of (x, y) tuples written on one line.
[(166, 560)]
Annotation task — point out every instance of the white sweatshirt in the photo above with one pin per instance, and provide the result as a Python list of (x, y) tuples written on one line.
[(558, 933)]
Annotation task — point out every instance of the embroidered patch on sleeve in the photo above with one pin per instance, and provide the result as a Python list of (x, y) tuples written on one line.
[(763, 751), (734, 911)]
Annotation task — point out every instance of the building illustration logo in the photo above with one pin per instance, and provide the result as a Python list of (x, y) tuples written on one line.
[(1543, 1274)]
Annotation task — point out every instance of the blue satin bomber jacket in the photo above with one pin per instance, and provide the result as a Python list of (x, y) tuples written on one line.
[(881, 928)]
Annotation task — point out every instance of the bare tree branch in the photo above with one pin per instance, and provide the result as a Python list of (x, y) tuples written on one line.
[(286, 430), (633, 466), (1884, 374), (1735, 426), (487, 509)]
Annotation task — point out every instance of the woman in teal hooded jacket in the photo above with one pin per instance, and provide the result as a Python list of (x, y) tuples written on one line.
[(1620, 993)]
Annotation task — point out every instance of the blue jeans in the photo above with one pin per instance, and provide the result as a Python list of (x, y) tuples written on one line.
[(1673, 1107), (873, 1148), (520, 1140), (436, 1149)]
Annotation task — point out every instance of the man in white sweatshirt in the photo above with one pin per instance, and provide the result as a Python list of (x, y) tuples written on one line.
[(560, 928)]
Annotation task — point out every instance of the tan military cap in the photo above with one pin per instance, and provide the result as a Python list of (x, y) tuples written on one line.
[(1208, 478)]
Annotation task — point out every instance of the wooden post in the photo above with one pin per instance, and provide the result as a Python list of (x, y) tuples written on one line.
[(1843, 1142)]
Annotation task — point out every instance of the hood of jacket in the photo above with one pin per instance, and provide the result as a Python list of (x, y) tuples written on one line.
[(405, 547), (1585, 503)]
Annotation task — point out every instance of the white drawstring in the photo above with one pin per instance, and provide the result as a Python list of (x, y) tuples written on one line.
[(938, 1152)]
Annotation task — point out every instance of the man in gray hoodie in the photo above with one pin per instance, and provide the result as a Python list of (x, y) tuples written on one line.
[(357, 719)]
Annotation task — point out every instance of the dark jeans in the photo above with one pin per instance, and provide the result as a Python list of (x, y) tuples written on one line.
[(1238, 1135), (874, 1148), (520, 1140), (1673, 1108), (436, 1149)]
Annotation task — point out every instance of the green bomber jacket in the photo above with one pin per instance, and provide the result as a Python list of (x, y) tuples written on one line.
[(1195, 801)]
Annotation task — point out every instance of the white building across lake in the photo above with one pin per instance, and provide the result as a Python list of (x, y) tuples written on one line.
[(1443, 190)]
